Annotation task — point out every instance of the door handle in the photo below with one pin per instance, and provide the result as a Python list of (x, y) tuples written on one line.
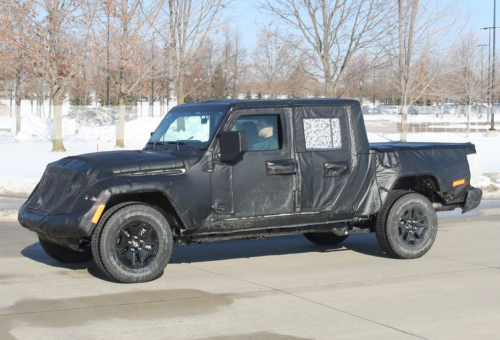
[(335, 169), (281, 167)]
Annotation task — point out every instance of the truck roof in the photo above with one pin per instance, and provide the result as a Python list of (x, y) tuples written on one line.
[(274, 102)]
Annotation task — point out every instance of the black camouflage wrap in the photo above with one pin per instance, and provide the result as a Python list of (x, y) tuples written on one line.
[(305, 182)]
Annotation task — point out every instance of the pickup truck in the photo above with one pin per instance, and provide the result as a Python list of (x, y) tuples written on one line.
[(232, 169)]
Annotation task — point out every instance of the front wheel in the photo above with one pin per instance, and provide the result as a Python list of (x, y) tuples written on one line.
[(407, 225), (132, 243)]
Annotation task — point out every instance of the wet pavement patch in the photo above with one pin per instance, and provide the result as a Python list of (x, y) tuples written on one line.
[(256, 335), (5, 277), (133, 306)]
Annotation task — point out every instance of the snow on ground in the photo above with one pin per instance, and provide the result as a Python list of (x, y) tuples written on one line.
[(8, 215), (24, 158)]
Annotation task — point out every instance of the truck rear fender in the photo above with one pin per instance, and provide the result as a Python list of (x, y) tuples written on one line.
[(427, 185)]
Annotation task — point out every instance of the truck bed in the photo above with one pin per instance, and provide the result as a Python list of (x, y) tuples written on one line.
[(408, 146), (444, 167)]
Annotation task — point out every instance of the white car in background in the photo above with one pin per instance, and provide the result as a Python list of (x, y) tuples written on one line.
[(449, 109), (388, 110)]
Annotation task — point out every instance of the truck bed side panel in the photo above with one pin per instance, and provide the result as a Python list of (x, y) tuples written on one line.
[(446, 163)]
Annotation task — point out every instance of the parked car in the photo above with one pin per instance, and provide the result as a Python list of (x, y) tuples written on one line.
[(479, 108), (230, 169), (388, 110), (412, 110), (449, 109), (368, 110)]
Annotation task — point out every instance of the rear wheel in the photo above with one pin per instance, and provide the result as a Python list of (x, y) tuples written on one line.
[(325, 239), (133, 243), (407, 225), (63, 254)]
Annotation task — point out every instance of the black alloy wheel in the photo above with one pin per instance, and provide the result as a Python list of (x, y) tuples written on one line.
[(407, 225), (132, 243), (137, 244), (413, 226)]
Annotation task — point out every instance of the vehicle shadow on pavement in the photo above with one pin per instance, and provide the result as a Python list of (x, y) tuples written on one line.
[(36, 253), (279, 245), (227, 250)]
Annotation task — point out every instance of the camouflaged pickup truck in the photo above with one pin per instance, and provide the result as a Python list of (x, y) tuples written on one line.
[(231, 169)]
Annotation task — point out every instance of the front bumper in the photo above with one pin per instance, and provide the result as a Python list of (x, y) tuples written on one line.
[(76, 225), (472, 199)]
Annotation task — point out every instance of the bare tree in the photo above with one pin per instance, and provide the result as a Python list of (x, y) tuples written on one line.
[(275, 59), (188, 25), (467, 83), (236, 60), (64, 27), (16, 33), (131, 22), (421, 25), (335, 30)]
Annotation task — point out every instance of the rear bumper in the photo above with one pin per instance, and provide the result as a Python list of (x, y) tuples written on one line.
[(472, 199), (76, 225)]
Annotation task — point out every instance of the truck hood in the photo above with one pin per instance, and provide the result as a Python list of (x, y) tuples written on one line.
[(133, 162)]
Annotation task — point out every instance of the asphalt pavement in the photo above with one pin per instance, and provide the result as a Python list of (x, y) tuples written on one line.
[(277, 288)]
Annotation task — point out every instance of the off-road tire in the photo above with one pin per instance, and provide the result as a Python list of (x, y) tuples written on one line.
[(109, 231), (390, 226), (325, 239), (63, 254)]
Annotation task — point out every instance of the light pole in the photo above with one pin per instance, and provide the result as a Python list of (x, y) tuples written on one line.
[(374, 97), (494, 62), (482, 64), (151, 102), (107, 70), (490, 62)]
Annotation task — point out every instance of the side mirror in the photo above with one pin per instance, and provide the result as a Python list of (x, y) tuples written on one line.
[(152, 134), (233, 144)]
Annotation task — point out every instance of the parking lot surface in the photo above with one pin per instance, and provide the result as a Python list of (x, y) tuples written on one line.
[(277, 288)]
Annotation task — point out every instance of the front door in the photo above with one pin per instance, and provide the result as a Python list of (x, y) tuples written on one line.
[(263, 182)]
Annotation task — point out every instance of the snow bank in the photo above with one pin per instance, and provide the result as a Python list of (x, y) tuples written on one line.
[(8, 215), (490, 183), (17, 186)]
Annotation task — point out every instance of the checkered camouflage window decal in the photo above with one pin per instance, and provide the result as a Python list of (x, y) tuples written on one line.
[(322, 133)]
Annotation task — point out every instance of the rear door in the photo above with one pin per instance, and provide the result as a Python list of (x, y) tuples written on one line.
[(323, 142)]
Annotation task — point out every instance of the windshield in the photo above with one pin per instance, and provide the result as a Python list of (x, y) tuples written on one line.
[(189, 125)]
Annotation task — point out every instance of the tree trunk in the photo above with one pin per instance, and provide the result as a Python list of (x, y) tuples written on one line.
[(329, 87), (151, 108), (469, 107), (404, 122), (120, 136), (162, 105), (51, 103), (11, 106), (57, 108), (18, 101), (179, 89)]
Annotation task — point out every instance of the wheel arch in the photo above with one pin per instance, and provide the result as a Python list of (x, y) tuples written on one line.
[(154, 198), (427, 185)]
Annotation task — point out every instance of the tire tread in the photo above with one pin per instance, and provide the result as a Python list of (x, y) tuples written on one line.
[(380, 225)]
